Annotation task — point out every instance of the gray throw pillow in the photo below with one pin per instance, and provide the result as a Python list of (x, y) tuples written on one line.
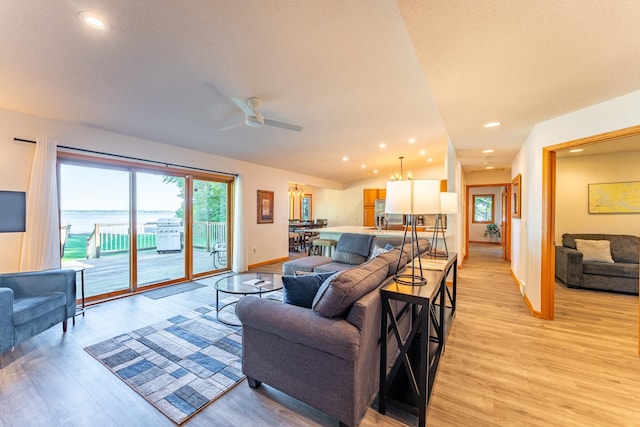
[(337, 294)]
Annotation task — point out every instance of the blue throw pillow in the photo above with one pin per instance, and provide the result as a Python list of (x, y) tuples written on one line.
[(300, 290)]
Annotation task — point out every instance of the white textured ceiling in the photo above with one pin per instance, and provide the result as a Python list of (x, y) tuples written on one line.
[(353, 73)]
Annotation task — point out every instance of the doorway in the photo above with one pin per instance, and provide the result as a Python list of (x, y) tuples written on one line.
[(487, 217), (549, 163)]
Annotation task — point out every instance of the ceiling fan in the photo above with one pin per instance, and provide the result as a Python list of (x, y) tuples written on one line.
[(253, 118)]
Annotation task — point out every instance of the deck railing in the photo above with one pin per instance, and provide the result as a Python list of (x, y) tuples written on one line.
[(114, 238)]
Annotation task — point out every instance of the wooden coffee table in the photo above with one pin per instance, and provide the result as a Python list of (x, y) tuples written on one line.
[(245, 284)]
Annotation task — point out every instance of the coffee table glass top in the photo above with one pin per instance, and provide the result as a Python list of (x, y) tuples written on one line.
[(249, 283)]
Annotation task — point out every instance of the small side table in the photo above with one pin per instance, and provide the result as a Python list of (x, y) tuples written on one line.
[(78, 268), (432, 308)]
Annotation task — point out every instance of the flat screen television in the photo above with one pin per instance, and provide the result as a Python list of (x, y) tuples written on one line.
[(13, 211)]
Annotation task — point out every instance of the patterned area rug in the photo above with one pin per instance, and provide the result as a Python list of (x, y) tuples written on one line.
[(179, 365)]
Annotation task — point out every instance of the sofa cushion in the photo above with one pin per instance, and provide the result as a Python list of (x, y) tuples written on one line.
[(391, 258), (333, 266), (595, 250), (353, 248), (308, 263), (618, 269), (301, 290), (28, 308), (335, 296), (624, 248)]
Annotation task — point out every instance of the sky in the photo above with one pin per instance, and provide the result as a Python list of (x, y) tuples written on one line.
[(91, 188)]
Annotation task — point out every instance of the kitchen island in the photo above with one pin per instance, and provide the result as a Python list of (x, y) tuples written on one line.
[(335, 232)]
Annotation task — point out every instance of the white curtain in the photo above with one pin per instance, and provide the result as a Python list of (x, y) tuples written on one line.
[(239, 262), (41, 241)]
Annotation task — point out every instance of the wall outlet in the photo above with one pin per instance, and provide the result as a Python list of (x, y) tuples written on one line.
[(254, 249)]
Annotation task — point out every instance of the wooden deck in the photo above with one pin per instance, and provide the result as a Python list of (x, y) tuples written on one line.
[(111, 273)]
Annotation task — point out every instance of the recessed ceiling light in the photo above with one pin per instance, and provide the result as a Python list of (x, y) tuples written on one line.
[(375, 171), (94, 21), (383, 145), (488, 151), (492, 124), (490, 167), (429, 159), (412, 140), (423, 152), (363, 166), (576, 150), (345, 158)]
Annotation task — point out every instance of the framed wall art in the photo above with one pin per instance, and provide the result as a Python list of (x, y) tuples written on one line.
[(265, 207), (614, 197), (516, 190)]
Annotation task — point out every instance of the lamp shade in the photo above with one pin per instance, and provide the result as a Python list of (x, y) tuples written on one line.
[(426, 196), (398, 198), (415, 196), (448, 203)]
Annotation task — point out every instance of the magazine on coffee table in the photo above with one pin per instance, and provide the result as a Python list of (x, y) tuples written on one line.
[(256, 282)]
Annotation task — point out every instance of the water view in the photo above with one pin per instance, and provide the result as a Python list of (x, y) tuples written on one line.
[(82, 222)]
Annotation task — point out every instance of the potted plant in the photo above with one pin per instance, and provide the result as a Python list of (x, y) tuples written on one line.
[(492, 232)]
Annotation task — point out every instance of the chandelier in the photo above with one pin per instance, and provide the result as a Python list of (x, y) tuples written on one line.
[(400, 176), (295, 190)]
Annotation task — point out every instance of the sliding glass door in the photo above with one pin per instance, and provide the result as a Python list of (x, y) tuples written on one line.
[(131, 227), (94, 219), (159, 228), (209, 213)]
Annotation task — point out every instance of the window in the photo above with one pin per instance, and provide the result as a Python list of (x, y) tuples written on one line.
[(483, 208)]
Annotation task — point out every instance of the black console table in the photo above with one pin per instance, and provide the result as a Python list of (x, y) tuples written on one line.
[(409, 382)]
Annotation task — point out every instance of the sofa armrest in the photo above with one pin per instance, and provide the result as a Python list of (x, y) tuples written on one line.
[(6, 319), (569, 266), (37, 282), (301, 325)]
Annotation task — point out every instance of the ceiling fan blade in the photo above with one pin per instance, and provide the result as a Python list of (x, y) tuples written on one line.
[(282, 125), (231, 126), (243, 106)]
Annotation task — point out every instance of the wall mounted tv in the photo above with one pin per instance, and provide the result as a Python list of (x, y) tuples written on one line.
[(13, 211)]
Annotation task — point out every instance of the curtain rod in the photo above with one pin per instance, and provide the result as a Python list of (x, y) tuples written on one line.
[(132, 158)]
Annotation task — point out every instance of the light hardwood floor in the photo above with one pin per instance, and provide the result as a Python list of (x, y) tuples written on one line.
[(502, 367)]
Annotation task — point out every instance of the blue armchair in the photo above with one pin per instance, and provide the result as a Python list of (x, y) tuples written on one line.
[(33, 302)]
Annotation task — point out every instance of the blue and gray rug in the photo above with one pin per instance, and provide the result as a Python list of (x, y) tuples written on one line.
[(179, 365)]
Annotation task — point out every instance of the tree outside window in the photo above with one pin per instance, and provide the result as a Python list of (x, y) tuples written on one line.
[(483, 208)]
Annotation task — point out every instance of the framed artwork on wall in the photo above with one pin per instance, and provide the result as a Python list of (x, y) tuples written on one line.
[(265, 207), (614, 197), (516, 188)]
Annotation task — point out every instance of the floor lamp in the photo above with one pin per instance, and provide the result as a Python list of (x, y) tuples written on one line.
[(411, 197), (448, 205)]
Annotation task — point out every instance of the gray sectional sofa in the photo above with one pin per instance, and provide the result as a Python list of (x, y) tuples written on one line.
[(611, 266), (328, 355), (352, 249)]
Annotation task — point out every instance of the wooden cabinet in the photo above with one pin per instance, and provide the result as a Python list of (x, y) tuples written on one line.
[(369, 208)]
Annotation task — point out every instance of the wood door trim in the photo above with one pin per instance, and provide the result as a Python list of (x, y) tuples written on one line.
[(548, 217)]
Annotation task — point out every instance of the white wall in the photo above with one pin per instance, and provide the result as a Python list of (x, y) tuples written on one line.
[(573, 176), (476, 231), (269, 240), (608, 116), (345, 207), (488, 177)]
